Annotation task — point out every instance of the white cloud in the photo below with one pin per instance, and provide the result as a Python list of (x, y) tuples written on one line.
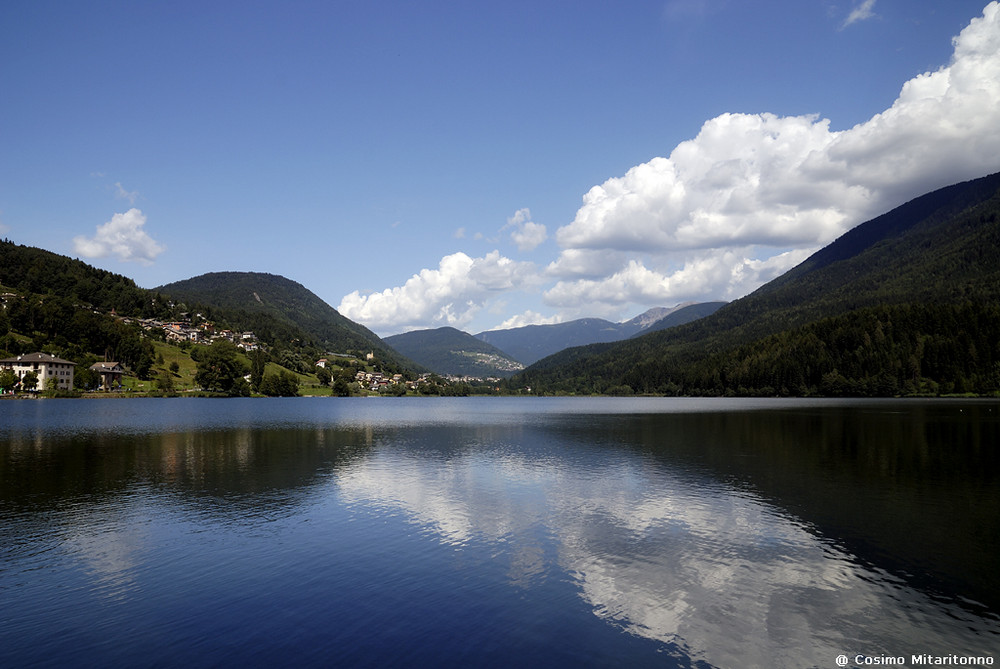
[(123, 236), (530, 236), (529, 317), (527, 234), (451, 295), (123, 194), (739, 182), (729, 275), (860, 13), (745, 200), (750, 185), (586, 263)]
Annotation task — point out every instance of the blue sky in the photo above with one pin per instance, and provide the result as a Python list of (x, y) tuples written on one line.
[(484, 164)]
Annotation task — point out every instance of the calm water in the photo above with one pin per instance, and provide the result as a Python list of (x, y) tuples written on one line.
[(496, 532)]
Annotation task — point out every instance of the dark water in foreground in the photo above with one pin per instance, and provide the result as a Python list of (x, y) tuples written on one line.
[(497, 532)]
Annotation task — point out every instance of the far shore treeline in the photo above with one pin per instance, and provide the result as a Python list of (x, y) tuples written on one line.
[(907, 304)]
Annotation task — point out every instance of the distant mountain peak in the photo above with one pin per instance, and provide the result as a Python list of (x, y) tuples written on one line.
[(650, 316), (531, 343), (451, 352)]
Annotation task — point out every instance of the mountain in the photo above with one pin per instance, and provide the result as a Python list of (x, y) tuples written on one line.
[(276, 309), (650, 316), (32, 270), (448, 351), (680, 315), (904, 303), (71, 309), (531, 343)]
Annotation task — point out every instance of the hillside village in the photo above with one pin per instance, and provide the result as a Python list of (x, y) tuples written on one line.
[(40, 371), (203, 333)]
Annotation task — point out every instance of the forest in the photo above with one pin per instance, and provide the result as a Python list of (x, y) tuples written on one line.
[(904, 304), (883, 351)]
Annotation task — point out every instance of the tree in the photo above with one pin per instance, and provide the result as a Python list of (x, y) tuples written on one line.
[(324, 376), (165, 382), (240, 388), (85, 378), (283, 384), (219, 367), (341, 388), (258, 361), (8, 379), (175, 367), (29, 381)]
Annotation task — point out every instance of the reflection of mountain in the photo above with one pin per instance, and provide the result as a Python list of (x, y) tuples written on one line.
[(743, 537), (239, 477), (239, 466), (673, 540), (909, 487)]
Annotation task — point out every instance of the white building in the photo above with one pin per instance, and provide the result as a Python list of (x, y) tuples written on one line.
[(52, 372)]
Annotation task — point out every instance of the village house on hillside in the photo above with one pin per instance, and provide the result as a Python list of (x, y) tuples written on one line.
[(111, 374), (204, 333), (53, 372)]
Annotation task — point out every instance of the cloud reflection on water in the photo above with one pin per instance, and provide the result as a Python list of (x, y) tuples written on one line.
[(664, 553)]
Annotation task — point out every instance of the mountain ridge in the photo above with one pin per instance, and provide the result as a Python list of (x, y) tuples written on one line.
[(452, 352), (530, 343), (940, 249), (279, 305)]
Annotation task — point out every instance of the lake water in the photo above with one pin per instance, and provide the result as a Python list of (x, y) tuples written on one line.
[(477, 532)]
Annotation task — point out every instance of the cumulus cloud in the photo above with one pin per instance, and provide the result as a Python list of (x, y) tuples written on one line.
[(788, 185), (529, 317), (124, 237), (527, 234), (740, 203), (451, 295), (586, 263), (729, 275)]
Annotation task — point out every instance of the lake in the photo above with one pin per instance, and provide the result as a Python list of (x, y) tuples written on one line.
[(497, 532)]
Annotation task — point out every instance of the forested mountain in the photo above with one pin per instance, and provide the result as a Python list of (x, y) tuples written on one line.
[(64, 306), (874, 313), (530, 343), (448, 351), (276, 308), (79, 312), (26, 270)]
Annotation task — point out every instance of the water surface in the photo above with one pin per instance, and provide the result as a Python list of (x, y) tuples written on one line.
[(496, 532)]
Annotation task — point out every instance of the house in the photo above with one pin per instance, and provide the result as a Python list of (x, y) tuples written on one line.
[(53, 372), (111, 374), (180, 332)]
